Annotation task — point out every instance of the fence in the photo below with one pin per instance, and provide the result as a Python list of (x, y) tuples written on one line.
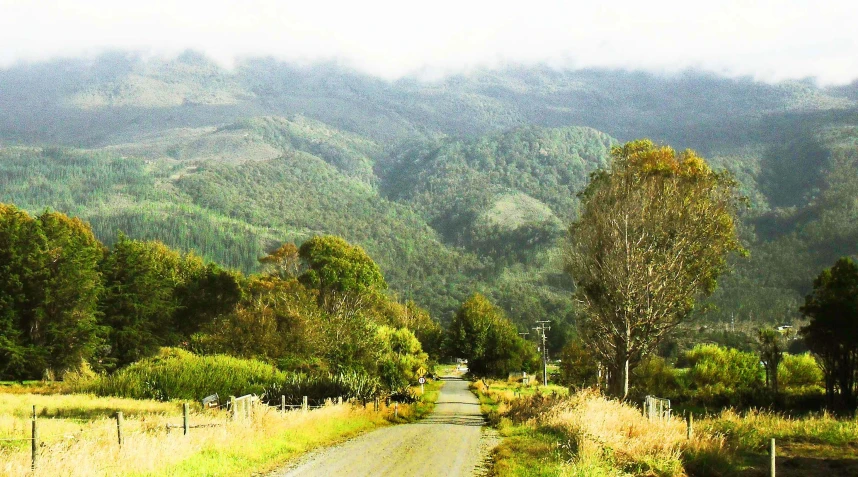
[(657, 409), (239, 409)]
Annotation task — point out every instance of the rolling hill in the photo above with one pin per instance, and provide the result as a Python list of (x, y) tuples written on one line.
[(453, 185)]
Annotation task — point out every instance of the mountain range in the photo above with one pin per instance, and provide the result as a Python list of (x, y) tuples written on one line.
[(453, 185)]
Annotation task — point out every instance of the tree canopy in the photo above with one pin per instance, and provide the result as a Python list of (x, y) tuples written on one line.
[(653, 236), (832, 334), (481, 333)]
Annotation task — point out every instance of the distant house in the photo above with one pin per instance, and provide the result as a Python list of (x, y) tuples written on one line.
[(784, 328)]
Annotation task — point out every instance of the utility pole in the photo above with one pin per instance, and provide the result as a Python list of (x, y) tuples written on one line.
[(541, 328)]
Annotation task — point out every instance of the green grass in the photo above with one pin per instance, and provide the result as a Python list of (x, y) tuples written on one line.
[(525, 450), (528, 452), (427, 401), (276, 450), (264, 455)]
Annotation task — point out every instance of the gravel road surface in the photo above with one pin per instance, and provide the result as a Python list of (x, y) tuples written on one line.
[(447, 443)]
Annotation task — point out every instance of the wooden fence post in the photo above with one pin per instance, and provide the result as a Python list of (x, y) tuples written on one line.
[(34, 449), (396, 410), (119, 427), (232, 408), (185, 417), (283, 402), (772, 455), (304, 405), (689, 421)]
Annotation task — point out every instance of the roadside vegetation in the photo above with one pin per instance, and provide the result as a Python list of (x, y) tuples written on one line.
[(584, 434), (88, 446), (78, 433)]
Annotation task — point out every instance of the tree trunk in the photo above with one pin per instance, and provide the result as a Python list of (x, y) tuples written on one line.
[(618, 379), (775, 379), (626, 378)]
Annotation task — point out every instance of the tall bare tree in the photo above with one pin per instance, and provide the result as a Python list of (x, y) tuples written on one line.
[(653, 235)]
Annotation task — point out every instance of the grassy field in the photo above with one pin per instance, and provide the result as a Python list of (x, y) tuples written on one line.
[(78, 435), (586, 434)]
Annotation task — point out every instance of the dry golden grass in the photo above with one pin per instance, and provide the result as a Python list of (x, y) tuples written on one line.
[(595, 424), (753, 429), (89, 447), (591, 435)]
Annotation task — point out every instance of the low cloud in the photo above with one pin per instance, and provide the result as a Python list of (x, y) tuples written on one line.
[(769, 40)]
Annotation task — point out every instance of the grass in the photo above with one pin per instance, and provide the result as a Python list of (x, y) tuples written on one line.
[(78, 435), (806, 446), (88, 447), (525, 450), (428, 398), (528, 451), (586, 434)]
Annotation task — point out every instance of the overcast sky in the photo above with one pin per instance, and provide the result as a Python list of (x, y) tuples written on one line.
[(768, 40)]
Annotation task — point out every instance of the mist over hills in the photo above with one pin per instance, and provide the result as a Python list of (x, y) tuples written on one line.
[(453, 185)]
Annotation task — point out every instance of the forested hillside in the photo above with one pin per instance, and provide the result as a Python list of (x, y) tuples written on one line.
[(454, 185)]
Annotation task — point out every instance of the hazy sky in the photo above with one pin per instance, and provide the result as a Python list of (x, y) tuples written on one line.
[(769, 40)]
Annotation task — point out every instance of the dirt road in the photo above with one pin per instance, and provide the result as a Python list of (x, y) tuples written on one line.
[(447, 443)]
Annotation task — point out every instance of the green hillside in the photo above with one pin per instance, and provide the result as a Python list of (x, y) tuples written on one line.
[(460, 184)]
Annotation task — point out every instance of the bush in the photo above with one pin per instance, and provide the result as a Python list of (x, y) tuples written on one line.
[(654, 377), (318, 388), (179, 374), (578, 367), (721, 376), (799, 371)]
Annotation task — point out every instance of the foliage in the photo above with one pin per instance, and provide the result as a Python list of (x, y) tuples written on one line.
[(652, 238), (578, 366), (322, 387), (49, 287), (721, 376), (276, 320), (343, 273), (490, 151), (771, 353), (482, 334), (410, 316), (832, 334), (654, 376), (179, 374), (800, 371), (155, 296), (400, 358)]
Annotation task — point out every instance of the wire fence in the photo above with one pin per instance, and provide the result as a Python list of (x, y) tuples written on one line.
[(238, 409)]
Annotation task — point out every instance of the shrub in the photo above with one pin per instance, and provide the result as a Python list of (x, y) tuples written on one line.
[(179, 374), (721, 376), (318, 388), (799, 371), (578, 367), (654, 376)]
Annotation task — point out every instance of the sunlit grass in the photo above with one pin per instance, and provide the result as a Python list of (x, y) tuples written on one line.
[(587, 434), (89, 446), (753, 430), (78, 434)]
